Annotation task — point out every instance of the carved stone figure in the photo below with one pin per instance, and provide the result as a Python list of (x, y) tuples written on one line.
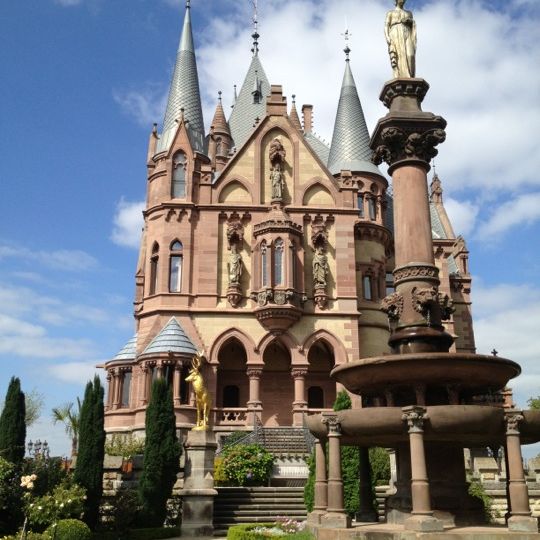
[(276, 178), (235, 266), (400, 32), (277, 152), (202, 397), (392, 305), (320, 267)]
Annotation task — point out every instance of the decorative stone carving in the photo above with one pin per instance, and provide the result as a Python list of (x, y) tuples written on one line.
[(424, 298), (398, 145), (235, 232), (446, 305), (276, 179), (235, 266), (400, 33), (320, 297), (234, 294), (277, 159), (512, 419), (282, 297), (263, 297), (414, 272), (392, 305), (276, 153), (320, 267), (415, 417), (254, 373), (319, 233), (333, 425), (299, 372)]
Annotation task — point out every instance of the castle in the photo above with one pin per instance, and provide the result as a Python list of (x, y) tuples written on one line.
[(268, 250)]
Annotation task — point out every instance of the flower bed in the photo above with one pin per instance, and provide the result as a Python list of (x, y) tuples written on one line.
[(283, 529)]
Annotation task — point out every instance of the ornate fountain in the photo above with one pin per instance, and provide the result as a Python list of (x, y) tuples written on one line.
[(420, 398)]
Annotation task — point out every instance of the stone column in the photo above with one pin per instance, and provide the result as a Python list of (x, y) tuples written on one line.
[(254, 403), (109, 391), (520, 519), (176, 384), (320, 503), (144, 382), (422, 515), (116, 385), (366, 511), (299, 403), (406, 139), (335, 516)]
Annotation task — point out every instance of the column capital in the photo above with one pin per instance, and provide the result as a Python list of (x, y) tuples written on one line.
[(254, 372), (333, 425), (415, 416), (298, 372), (512, 418)]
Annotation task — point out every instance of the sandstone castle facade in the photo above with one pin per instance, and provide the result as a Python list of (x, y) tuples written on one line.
[(268, 250)]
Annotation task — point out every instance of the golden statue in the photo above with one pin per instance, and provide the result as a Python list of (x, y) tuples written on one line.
[(202, 397), (400, 33)]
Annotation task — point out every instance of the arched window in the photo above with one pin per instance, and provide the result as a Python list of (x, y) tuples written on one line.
[(372, 205), (361, 205), (368, 292), (168, 375), (292, 250), (154, 259), (175, 267), (264, 264), (126, 389), (278, 262), (231, 396), (315, 397), (179, 175), (184, 386)]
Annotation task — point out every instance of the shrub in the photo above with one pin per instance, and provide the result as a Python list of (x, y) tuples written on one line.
[(220, 476), (309, 487), (143, 534), (11, 515), (49, 472), (30, 535), (125, 446), (66, 501), (379, 459), (13, 424), (123, 513), (477, 490), (69, 529), (263, 531), (247, 465)]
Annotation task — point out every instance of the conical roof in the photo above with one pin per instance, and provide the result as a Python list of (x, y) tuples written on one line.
[(184, 93), (246, 109), (293, 115), (350, 142), (172, 338), (219, 122), (129, 351)]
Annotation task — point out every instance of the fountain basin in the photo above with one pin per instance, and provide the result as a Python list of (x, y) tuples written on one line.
[(467, 425), (474, 373)]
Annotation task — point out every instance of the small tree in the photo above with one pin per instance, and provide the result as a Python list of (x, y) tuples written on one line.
[(161, 456), (12, 424), (89, 468), (534, 403), (66, 415)]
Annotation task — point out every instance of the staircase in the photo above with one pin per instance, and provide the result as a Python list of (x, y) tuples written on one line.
[(286, 441), (234, 505)]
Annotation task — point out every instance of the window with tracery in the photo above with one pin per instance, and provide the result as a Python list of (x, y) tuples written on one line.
[(367, 285), (179, 175), (175, 267), (126, 389), (361, 205)]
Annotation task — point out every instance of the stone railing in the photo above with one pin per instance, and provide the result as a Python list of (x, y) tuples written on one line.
[(230, 416)]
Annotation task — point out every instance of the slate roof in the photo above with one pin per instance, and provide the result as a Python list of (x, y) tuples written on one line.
[(245, 111), (184, 93), (172, 338), (128, 352), (350, 142), (437, 228), (318, 145)]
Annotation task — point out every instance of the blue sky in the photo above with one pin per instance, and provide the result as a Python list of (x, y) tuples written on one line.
[(83, 80)]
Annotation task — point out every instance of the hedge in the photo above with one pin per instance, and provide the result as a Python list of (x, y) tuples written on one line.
[(69, 529), (142, 534), (245, 532)]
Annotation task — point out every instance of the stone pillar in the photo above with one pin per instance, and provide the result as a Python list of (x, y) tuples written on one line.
[(176, 384), (422, 515), (299, 403), (108, 404), (366, 511), (520, 519), (254, 403), (144, 382), (335, 516), (406, 139), (198, 492), (320, 503), (116, 386)]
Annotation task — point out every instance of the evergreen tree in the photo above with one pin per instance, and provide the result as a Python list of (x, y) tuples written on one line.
[(161, 456), (13, 424), (89, 468)]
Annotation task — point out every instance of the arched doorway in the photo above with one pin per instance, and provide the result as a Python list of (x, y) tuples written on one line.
[(277, 386), (320, 388), (232, 383)]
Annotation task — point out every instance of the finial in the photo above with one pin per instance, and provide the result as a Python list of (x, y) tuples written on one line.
[(188, 4), (294, 99), (219, 95), (347, 49), (154, 128), (494, 352), (255, 35)]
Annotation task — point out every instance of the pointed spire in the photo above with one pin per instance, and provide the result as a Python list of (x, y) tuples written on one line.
[(295, 119), (436, 190), (184, 92), (219, 123), (350, 142), (255, 35)]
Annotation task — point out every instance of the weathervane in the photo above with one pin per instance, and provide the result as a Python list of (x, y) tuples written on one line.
[(347, 35), (255, 34)]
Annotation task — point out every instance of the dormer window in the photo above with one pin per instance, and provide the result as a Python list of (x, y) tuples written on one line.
[(175, 270), (179, 175)]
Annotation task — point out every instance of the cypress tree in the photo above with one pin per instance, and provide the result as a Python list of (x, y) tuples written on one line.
[(89, 468), (161, 456), (13, 424)]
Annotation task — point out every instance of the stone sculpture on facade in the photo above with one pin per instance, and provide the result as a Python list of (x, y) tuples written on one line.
[(235, 266), (277, 159), (320, 267), (400, 32), (202, 396)]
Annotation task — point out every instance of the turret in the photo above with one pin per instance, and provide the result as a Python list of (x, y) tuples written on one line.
[(220, 142)]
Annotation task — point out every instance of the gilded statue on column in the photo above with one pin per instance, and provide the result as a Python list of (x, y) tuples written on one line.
[(400, 32), (202, 396)]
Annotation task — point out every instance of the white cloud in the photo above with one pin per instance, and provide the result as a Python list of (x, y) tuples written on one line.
[(523, 210), (145, 106), (128, 223), (62, 259), (462, 215), (75, 372)]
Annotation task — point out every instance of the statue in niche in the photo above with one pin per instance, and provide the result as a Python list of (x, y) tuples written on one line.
[(235, 266), (320, 267), (277, 155), (400, 33), (276, 178)]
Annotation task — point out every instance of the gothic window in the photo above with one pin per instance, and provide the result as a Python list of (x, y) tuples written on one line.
[(293, 265), (278, 262), (361, 205), (184, 386), (154, 259), (372, 205), (126, 389), (179, 175), (315, 397), (175, 270), (389, 283), (368, 292), (264, 264), (168, 375), (231, 396)]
